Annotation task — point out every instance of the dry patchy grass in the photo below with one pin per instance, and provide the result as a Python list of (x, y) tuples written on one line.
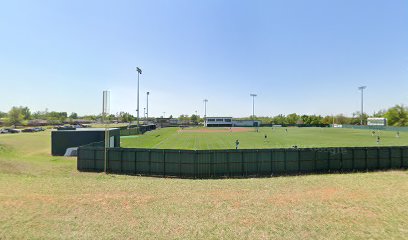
[(42, 197)]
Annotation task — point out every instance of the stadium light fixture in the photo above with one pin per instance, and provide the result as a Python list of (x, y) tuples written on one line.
[(253, 95), (205, 112), (139, 71), (362, 103)]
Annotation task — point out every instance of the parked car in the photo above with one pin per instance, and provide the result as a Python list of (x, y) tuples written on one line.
[(12, 130), (28, 130), (39, 129), (2, 131)]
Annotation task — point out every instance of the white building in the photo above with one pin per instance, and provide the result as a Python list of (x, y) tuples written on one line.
[(230, 122)]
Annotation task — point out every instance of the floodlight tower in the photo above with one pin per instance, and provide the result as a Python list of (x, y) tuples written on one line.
[(139, 71), (205, 112), (147, 105), (253, 95), (362, 103)]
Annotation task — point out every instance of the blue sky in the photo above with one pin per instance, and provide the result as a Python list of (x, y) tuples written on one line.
[(298, 56)]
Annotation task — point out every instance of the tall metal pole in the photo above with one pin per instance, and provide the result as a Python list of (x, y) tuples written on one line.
[(253, 108), (139, 71), (147, 106), (362, 103), (205, 112), (105, 112)]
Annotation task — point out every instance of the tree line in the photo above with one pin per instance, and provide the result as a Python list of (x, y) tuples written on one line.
[(396, 116)]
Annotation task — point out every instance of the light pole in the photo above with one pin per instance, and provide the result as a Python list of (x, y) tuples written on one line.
[(253, 108), (139, 71), (144, 114), (205, 112), (147, 106), (362, 103), (164, 114)]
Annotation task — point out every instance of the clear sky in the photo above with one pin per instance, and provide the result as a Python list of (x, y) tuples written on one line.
[(297, 55)]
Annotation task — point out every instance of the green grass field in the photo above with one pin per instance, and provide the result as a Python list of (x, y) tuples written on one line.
[(44, 197), (172, 138)]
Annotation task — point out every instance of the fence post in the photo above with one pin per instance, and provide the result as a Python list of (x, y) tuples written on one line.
[(164, 163), (285, 158), (228, 164), (402, 157), (94, 158), (121, 160), (212, 162), (271, 162), (328, 162), (150, 162), (135, 159), (352, 160), (378, 158), (298, 160), (390, 157), (257, 162), (179, 163), (242, 165), (107, 160), (195, 164), (366, 161)]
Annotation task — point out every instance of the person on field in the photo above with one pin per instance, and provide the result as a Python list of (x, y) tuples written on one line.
[(286, 130), (372, 133), (236, 144), (398, 135), (266, 136), (378, 139)]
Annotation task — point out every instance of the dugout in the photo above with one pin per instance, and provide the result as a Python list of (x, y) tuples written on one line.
[(63, 139)]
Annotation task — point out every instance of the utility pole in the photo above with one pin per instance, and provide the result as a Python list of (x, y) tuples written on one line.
[(147, 106)]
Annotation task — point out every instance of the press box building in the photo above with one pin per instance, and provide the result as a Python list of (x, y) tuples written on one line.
[(230, 122)]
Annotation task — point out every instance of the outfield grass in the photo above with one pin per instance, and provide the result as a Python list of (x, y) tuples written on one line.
[(172, 138), (44, 197)]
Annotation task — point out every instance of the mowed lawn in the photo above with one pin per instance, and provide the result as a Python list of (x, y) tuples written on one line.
[(173, 138), (44, 197)]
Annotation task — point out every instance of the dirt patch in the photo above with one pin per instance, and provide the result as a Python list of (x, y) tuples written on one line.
[(215, 130)]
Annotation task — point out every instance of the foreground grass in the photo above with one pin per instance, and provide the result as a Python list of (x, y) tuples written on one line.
[(44, 197), (171, 138)]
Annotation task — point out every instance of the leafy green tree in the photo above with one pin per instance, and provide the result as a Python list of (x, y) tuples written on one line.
[(397, 116), (3, 114), (125, 117), (279, 119), (26, 113), (292, 118), (184, 118), (73, 115), (194, 118), (15, 116), (380, 114)]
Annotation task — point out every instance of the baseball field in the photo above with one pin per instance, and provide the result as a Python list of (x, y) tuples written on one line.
[(45, 197), (264, 137)]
